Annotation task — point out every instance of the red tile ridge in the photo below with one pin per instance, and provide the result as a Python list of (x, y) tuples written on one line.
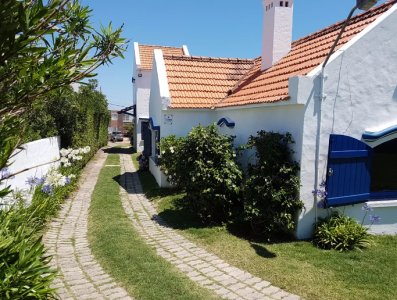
[(209, 58)]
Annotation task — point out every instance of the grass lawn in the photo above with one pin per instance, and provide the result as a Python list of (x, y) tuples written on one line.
[(123, 253), (298, 267)]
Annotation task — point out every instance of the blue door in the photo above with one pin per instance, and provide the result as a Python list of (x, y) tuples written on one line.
[(147, 139), (348, 172)]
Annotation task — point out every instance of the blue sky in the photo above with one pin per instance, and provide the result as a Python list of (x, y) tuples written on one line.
[(218, 28)]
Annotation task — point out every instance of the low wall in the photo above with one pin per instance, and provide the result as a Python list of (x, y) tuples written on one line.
[(32, 159), (158, 174)]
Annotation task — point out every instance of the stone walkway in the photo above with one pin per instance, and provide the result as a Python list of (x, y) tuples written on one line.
[(199, 265), (81, 276)]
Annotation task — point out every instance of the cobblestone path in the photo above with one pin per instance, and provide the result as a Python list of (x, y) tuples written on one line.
[(81, 276), (199, 265)]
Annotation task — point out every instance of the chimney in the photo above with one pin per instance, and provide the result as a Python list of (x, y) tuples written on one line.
[(277, 31)]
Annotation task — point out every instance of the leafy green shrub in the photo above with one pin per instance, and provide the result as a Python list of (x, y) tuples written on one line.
[(204, 165), (341, 233), (170, 159), (272, 188), (24, 269)]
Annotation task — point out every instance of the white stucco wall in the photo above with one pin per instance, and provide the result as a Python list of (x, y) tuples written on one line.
[(250, 120), (360, 89), (36, 159), (180, 122)]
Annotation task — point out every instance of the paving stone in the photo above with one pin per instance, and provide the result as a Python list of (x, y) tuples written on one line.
[(270, 290), (280, 295)]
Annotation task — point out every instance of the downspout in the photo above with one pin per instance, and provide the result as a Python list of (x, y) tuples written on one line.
[(323, 96)]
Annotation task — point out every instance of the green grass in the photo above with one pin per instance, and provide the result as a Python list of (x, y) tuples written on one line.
[(298, 267), (123, 253)]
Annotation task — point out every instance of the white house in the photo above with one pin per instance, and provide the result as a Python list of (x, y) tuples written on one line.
[(343, 120), (141, 78)]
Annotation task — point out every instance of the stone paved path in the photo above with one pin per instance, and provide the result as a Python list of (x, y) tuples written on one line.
[(199, 265), (81, 276)]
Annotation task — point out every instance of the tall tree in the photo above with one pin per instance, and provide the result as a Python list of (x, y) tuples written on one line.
[(45, 45)]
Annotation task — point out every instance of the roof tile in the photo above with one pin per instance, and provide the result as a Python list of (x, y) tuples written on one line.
[(201, 82), (147, 52)]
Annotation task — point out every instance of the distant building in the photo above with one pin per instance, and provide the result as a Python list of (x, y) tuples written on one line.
[(119, 122)]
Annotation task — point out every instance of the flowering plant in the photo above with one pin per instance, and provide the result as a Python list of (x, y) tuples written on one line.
[(321, 194), (374, 219), (51, 181), (70, 155)]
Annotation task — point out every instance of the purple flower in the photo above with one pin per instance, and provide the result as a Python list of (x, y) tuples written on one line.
[(4, 173), (321, 204), (322, 184), (366, 208), (68, 180), (48, 189), (35, 181), (374, 219)]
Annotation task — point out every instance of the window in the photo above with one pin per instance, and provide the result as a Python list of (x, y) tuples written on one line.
[(127, 118), (357, 173), (384, 166), (281, 3), (286, 4), (115, 116)]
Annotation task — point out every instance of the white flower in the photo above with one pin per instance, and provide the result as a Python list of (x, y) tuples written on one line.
[(75, 152), (64, 152), (64, 160), (172, 149), (166, 172), (71, 176), (86, 149), (163, 152), (66, 165), (78, 157)]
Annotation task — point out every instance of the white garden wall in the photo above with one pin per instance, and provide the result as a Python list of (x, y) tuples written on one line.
[(33, 159)]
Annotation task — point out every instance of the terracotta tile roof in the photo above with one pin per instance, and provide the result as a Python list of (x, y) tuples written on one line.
[(201, 82), (306, 54), (147, 52)]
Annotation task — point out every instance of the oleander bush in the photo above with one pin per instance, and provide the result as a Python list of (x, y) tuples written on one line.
[(24, 266), (271, 193), (204, 165), (341, 233)]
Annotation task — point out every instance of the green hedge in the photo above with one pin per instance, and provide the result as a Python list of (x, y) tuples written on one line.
[(79, 118)]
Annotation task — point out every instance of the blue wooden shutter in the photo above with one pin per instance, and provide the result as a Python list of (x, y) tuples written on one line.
[(349, 171)]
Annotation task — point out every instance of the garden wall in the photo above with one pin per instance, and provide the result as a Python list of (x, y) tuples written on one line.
[(33, 159)]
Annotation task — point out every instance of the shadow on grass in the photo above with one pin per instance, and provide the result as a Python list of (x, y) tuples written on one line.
[(119, 150), (262, 251)]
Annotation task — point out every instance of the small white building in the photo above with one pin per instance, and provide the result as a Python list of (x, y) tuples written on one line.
[(344, 123), (141, 79)]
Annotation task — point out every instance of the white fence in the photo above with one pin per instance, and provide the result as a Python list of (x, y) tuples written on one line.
[(33, 159)]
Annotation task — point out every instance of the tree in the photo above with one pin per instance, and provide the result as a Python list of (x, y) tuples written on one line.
[(45, 45)]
